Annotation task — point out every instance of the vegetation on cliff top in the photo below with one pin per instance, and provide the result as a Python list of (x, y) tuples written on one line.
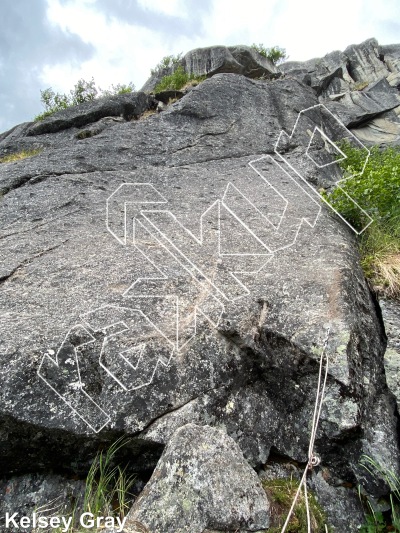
[(177, 80), (276, 54), (83, 91)]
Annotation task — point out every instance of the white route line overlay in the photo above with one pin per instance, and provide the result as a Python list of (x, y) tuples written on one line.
[(164, 277), (77, 386), (362, 146)]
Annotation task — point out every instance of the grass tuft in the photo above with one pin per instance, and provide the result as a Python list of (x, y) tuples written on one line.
[(376, 522), (20, 155), (360, 86), (107, 491), (380, 258), (281, 493), (107, 486)]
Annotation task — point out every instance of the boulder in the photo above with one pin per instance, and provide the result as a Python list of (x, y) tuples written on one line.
[(201, 481), (336, 89), (237, 59), (215, 59), (318, 73), (366, 61), (383, 130), (227, 370), (128, 106), (356, 108), (342, 504)]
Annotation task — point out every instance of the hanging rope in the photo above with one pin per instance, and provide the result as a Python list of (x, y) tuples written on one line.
[(313, 460)]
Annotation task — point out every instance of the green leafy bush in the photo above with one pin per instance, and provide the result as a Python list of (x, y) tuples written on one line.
[(83, 91), (119, 88), (276, 54), (167, 62), (175, 81), (377, 192)]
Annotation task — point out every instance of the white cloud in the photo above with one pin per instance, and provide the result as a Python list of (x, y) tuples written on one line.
[(117, 45), (175, 8), (306, 29), (126, 52)]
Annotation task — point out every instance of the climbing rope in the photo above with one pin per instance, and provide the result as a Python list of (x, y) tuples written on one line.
[(313, 460)]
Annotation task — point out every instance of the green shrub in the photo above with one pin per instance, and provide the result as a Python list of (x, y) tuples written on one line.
[(167, 62), (175, 81), (83, 91), (276, 54), (377, 192), (119, 88)]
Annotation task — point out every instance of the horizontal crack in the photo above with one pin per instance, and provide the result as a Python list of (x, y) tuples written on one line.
[(45, 223), (165, 413), (208, 134), (28, 260), (37, 178)]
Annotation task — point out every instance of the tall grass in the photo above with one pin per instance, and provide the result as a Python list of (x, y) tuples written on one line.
[(281, 493), (107, 491), (108, 486), (375, 521), (380, 257)]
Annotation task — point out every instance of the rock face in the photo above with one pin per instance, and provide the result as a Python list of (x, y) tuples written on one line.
[(202, 480), (180, 268), (44, 494), (391, 314), (128, 106), (319, 73)]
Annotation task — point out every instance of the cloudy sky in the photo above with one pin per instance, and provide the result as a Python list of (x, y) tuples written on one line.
[(53, 43)]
